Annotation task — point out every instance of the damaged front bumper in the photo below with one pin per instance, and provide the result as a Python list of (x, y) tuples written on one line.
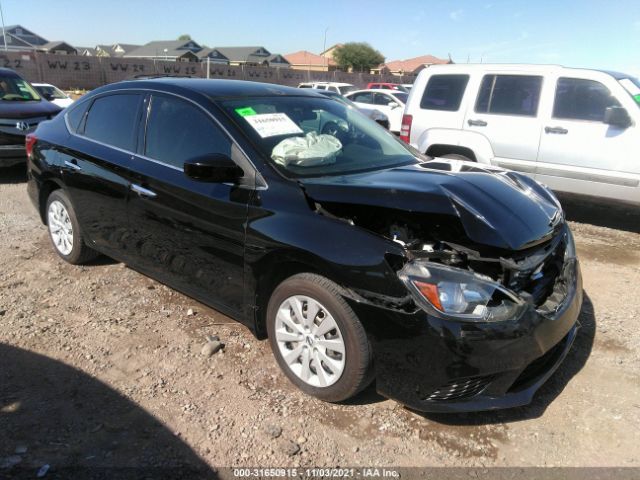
[(436, 365)]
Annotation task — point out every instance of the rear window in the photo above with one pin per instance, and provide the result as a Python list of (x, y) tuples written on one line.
[(112, 120), (444, 92), (509, 95)]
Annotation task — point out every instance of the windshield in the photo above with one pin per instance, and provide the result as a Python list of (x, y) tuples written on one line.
[(17, 89), (306, 136), (631, 85), (50, 90)]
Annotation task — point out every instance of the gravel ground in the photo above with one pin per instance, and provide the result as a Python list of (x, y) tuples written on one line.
[(101, 366)]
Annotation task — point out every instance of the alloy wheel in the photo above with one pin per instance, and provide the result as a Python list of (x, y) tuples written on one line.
[(310, 341), (60, 227)]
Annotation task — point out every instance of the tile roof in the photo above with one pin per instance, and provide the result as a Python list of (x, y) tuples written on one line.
[(303, 57), (412, 64)]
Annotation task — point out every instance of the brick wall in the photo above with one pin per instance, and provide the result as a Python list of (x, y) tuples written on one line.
[(71, 71)]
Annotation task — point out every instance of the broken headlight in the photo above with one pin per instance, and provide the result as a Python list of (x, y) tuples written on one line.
[(456, 294)]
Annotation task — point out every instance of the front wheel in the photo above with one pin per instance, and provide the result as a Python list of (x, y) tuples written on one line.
[(317, 340)]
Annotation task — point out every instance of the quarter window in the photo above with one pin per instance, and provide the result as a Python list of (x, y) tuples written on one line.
[(76, 114), (178, 131), (444, 92), (581, 99), (509, 95), (113, 120)]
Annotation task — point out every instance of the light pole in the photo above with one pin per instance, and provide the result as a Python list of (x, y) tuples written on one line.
[(324, 49), (4, 34)]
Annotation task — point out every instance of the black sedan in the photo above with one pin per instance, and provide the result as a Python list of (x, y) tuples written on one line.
[(454, 286)]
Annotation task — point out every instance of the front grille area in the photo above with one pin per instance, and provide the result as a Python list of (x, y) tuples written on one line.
[(459, 389)]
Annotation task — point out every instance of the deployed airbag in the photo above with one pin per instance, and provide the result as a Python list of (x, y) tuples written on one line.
[(308, 151)]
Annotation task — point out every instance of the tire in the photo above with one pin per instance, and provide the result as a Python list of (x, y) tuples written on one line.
[(456, 156), (349, 335), (64, 231)]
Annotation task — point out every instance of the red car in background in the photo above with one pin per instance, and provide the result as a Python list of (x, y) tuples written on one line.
[(387, 86)]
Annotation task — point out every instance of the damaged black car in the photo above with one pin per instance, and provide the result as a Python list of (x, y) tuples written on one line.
[(451, 285)]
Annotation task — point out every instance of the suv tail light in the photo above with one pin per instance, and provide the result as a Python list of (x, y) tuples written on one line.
[(29, 141), (405, 128)]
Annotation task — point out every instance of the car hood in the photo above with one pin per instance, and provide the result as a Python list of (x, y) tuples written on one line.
[(19, 109), (497, 208)]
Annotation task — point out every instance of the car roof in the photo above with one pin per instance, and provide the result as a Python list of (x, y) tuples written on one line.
[(39, 84), (377, 90), (517, 67), (212, 88), (8, 72)]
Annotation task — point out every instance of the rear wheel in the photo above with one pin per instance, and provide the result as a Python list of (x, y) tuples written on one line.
[(317, 340), (64, 230)]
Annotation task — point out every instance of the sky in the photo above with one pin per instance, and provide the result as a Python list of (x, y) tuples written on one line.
[(586, 33)]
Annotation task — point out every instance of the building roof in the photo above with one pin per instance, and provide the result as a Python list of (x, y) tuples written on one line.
[(245, 54), (304, 57), (213, 54), (15, 42), (86, 51), (332, 47), (57, 45), (26, 35), (412, 64), (127, 47), (174, 49), (277, 58)]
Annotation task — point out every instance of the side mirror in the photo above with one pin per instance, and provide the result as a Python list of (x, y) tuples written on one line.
[(617, 116), (214, 168), (48, 96), (393, 105)]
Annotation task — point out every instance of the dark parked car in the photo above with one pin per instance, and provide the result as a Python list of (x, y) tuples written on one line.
[(455, 287), (21, 110)]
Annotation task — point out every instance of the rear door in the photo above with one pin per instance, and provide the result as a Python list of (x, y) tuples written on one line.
[(188, 234), (579, 153), (506, 113), (100, 149)]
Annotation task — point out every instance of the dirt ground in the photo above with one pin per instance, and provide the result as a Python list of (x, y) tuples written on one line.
[(101, 366)]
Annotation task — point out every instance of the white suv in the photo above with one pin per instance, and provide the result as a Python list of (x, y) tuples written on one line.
[(575, 130), (337, 87)]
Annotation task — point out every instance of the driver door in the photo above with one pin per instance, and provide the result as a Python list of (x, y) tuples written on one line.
[(186, 233)]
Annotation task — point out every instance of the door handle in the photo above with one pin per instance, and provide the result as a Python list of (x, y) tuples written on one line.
[(558, 130), (73, 165), (477, 123), (143, 192)]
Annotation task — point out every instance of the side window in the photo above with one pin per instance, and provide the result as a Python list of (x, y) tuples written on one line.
[(444, 92), (364, 97), (509, 95), (382, 99), (113, 120), (581, 99), (178, 131), (75, 115)]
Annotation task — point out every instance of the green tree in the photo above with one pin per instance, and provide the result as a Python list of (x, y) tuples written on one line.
[(359, 56), (185, 37)]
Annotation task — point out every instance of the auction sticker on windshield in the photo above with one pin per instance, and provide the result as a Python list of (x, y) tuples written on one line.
[(272, 124)]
